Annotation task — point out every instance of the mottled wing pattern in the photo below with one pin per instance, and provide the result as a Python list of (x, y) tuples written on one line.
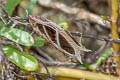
[(56, 36)]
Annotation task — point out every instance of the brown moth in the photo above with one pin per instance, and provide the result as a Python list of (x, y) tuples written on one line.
[(57, 36)]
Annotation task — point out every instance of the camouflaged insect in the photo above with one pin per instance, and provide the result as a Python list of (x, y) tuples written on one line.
[(57, 36)]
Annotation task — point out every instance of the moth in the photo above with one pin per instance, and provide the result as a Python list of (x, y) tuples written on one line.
[(57, 36)]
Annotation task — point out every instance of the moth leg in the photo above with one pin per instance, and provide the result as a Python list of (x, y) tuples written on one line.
[(18, 20), (57, 38)]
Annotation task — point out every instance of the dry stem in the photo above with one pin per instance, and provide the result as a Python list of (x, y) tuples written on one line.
[(74, 73)]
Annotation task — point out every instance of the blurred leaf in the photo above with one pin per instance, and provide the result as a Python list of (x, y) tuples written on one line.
[(30, 7), (39, 42), (87, 66), (103, 17), (105, 55), (64, 25), (10, 5), (17, 36), (21, 59)]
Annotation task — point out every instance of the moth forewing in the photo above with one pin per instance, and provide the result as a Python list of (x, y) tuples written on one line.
[(56, 36)]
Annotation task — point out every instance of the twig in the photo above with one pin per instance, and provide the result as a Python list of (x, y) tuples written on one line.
[(42, 53), (80, 14), (95, 37)]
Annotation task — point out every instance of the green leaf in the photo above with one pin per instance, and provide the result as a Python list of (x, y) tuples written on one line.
[(31, 6), (29, 9), (22, 60), (10, 5), (87, 66), (105, 55), (64, 25), (18, 36), (39, 42)]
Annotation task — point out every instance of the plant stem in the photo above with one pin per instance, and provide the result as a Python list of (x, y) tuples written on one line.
[(115, 35), (74, 73), (114, 28)]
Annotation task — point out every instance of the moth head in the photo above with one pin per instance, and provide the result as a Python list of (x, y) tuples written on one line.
[(32, 21)]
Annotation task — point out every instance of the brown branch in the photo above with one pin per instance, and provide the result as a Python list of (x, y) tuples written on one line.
[(80, 14)]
